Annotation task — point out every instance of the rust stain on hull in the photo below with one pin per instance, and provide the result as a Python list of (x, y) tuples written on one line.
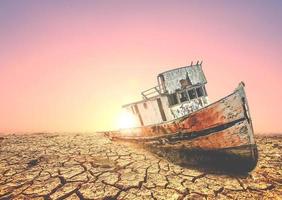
[(222, 112), (233, 137)]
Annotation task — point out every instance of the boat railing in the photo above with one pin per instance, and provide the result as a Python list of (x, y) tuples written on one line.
[(152, 92)]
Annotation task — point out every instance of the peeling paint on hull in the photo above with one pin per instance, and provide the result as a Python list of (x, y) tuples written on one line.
[(219, 134)]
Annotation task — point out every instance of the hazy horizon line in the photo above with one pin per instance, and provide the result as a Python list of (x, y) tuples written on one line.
[(89, 132)]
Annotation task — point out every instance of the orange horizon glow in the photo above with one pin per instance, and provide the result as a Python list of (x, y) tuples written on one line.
[(68, 66)]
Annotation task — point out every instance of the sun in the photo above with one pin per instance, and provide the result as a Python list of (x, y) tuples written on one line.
[(126, 120)]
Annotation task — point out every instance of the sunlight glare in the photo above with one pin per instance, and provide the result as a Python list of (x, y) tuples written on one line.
[(126, 120)]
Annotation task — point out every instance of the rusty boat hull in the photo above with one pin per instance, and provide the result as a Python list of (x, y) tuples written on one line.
[(219, 136)]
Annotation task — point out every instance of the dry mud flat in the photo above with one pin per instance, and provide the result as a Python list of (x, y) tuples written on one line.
[(46, 166)]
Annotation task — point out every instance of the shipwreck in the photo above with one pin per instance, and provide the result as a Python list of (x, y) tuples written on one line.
[(176, 120)]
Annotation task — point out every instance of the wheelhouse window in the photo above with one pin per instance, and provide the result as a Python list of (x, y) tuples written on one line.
[(172, 99), (200, 92), (192, 94), (183, 96)]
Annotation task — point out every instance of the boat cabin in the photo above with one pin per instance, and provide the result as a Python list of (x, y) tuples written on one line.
[(179, 92)]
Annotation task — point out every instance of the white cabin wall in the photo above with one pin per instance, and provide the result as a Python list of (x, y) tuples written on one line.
[(151, 114), (167, 110)]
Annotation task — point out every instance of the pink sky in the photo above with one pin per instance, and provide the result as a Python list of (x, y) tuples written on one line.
[(68, 66)]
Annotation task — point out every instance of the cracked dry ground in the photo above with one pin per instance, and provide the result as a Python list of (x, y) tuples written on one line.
[(48, 166)]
